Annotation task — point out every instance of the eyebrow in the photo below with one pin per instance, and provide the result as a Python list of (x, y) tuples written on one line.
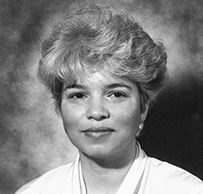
[(118, 85), (109, 86), (77, 86)]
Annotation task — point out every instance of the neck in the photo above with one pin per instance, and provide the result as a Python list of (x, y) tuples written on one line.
[(106, 174)]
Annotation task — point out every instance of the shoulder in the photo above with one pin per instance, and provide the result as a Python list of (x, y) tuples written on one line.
[(167, 178), (53, 178)]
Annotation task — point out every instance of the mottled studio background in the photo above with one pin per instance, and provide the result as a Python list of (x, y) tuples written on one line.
[(32, 139)]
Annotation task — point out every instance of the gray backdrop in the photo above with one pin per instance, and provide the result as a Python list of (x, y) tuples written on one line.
[(32, 140)]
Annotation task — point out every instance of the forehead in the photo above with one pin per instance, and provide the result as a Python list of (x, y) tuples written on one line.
[(100, 78), (99, 81), (84, 73)]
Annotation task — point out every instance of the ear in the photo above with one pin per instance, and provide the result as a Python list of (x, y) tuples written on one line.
[(143, 115)]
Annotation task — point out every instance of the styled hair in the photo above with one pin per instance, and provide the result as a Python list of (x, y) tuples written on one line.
[(100, 38)]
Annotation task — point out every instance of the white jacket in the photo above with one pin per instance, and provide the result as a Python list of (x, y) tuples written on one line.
[(146, 176)]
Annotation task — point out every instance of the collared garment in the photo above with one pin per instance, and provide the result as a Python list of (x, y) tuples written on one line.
[(146, 176)]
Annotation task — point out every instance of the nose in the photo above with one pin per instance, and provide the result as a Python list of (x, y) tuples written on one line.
[(97, 111)]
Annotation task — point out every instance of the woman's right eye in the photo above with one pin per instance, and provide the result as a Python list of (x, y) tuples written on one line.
[(77, 96)]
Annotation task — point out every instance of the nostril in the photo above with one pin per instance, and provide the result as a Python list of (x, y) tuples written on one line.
[(98, 117), (97, 110), (98, 114)]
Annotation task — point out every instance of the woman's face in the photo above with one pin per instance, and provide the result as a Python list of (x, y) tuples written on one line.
[(101, 115)]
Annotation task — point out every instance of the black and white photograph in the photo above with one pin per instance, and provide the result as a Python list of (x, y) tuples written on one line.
[(101, 97)]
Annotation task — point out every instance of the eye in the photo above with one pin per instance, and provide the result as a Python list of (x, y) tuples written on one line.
[(77, 95), (117, 94)]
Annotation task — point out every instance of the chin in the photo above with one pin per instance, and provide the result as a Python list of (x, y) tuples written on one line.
[(98, 153)]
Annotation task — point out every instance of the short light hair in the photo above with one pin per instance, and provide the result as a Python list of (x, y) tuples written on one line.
[(99, 37)]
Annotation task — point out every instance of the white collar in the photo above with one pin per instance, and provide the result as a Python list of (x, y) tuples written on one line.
[(133, 182)]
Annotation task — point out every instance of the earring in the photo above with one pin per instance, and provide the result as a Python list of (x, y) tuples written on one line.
[(141, 125)]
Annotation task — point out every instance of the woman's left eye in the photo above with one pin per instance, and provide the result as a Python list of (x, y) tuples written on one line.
[(117, 94)]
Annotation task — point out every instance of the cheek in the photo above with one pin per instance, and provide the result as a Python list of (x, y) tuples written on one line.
[(69, 116), (129, 115)]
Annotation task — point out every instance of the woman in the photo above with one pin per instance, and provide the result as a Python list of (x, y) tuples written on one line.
[(104, 71)]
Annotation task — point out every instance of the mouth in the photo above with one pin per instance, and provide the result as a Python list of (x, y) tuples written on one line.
[(98, 132)]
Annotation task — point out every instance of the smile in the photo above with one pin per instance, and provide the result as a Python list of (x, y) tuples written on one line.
[(98, 132)]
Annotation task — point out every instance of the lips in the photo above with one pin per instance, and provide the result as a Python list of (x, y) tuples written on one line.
[(98, 132)]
